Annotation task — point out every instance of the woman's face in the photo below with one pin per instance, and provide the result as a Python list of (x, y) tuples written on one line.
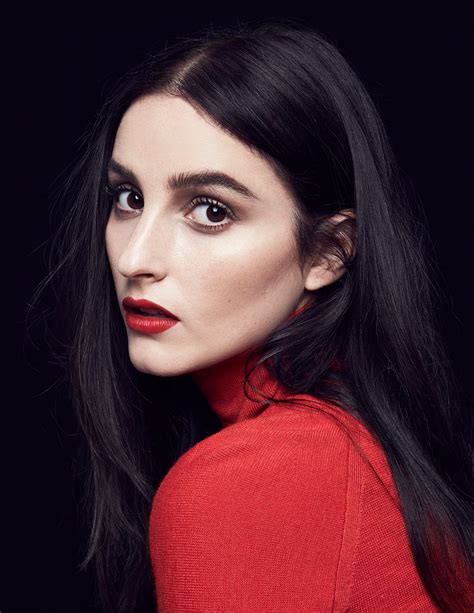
[(230, 284)]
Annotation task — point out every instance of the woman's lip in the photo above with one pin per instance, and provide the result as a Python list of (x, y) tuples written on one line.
[(142, 303), (149, 324)]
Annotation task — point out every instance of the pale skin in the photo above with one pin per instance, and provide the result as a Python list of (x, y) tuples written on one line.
[(229, 288)]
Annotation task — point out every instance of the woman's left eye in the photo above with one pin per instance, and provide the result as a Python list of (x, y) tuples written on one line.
[(211, 210)]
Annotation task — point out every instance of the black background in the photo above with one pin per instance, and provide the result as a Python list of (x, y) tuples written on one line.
[(61, 61)]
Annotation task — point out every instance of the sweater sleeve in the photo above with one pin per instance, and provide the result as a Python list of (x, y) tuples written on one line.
[(258, 517)]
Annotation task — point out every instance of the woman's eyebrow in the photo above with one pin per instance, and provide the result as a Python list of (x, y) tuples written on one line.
[(191, 179)]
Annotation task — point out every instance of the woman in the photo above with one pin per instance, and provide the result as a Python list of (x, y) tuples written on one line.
[(254, 361)]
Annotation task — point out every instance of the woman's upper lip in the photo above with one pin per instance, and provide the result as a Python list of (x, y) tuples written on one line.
[(143, 303)]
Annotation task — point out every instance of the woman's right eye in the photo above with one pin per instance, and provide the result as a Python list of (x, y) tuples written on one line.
[(123, 196)]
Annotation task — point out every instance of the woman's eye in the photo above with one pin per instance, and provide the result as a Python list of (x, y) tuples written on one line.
[(208, 210), (124, 196)]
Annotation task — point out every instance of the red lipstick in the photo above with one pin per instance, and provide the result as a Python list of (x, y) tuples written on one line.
[(149, 317)]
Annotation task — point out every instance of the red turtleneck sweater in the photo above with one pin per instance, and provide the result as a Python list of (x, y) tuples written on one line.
[(279, 513)]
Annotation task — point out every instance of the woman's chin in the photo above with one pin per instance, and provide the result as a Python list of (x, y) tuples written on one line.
[(156, 367)]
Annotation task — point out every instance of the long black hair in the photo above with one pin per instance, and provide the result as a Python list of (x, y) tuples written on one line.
[(285, 90)]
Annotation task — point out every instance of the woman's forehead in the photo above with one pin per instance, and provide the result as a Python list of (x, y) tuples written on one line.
[(161, 136)]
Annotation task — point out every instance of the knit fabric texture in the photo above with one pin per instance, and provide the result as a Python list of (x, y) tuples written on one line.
[(279, 511)]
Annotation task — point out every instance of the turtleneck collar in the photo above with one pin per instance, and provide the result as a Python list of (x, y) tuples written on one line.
[(223, 385)]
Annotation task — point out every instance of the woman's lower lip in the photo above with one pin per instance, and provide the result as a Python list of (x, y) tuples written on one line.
[(150, 324)]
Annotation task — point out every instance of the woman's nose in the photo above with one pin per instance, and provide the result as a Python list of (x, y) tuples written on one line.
[(147, 249)]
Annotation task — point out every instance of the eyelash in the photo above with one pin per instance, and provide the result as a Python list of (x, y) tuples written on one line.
[(112, 193)]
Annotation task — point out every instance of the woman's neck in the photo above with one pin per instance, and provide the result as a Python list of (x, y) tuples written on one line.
[(223, 384)]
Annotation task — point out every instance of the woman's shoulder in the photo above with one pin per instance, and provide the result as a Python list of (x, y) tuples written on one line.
[(331, 424), (257, 472), (305, 436), (287, 489), (282, 425)]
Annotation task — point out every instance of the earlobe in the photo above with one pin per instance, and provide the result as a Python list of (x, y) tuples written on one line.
[(323, 274)]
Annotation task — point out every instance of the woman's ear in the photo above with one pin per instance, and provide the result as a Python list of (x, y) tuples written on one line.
[(329, 269)]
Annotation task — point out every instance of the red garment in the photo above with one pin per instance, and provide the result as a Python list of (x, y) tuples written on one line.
[(279, 513)]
